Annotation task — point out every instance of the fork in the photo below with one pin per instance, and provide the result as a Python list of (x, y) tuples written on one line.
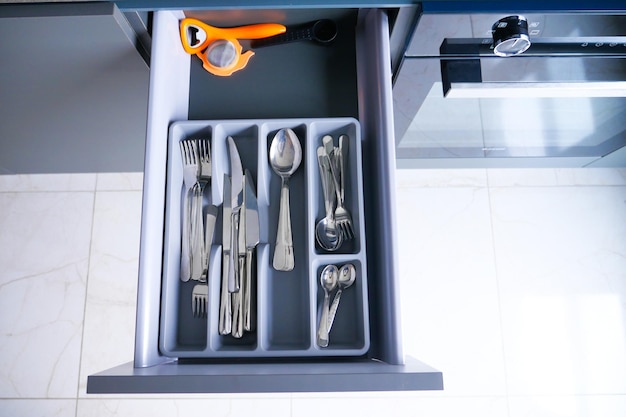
[(199, 249), (343, 219), (190, 177), (199, 300)]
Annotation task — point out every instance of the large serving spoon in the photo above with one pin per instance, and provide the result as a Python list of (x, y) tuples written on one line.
[(285, 157), (328, 281), (347, 276)]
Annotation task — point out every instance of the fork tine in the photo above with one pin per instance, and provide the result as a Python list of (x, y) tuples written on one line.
[(186, 147), (193, 151), (183, 151), (346, 230), (200, 306), (189, 159), (204, 150), (349, 230), (345, 224), (201, 150), (199, 301)]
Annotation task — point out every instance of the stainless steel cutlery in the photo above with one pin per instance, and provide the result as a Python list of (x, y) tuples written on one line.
[(337, 226), (200, 253), (252, 240), (241, 229), (190, 177), (285, 158), (328, 282), (199, 300), (200, 293), (327, 234), (226, 317), (332, 279), (240, 236), (196, 160)]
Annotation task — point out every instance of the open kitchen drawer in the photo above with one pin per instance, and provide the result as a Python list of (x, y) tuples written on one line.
[(317, 90)]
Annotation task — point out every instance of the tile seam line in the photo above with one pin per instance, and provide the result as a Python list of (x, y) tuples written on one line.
[(495, 265), (17, 191), (556, 185), (567, 395), (82, 337), (71, 191), (518, 186), (37, 398)]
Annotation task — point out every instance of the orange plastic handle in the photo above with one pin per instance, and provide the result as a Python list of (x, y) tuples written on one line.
[(258, 31)]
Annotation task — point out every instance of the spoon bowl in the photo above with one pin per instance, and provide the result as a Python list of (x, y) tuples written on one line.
[(329, 278), (328, 235), (285, 156), (347, 276), (285, 153)]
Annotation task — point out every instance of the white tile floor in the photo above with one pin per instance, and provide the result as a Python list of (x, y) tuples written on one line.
[(513, 284)]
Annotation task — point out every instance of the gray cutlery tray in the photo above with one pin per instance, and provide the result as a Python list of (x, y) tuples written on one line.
[(286, 305)]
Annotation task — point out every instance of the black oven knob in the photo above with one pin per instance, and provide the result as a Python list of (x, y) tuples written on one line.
[(510, 36)]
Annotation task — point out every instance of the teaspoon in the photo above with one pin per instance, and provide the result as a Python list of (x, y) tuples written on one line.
[(328, 281), (347, 276)]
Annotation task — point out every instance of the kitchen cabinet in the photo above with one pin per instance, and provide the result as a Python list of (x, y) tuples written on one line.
[(350, 80), (73, 88)]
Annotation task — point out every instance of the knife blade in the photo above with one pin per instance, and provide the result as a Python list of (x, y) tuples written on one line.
[(252, 214), (236, 174), (225, 319)]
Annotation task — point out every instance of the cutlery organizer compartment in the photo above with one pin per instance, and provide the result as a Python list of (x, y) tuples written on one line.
[(286, 306)]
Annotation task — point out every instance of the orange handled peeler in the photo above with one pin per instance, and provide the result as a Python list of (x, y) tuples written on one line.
[(219, 48)]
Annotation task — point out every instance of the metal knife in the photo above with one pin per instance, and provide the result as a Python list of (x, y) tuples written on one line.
[(252, 240), (240, 264), (236, 174), (225, 321), (211, 217)]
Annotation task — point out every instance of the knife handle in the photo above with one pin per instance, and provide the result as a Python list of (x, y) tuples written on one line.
[(197, 235), (283, 251), (237, 330), (234, 282), (225, 322), (185, 257), (247, 293), (332, 311), (211, 217), (322, 331)]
